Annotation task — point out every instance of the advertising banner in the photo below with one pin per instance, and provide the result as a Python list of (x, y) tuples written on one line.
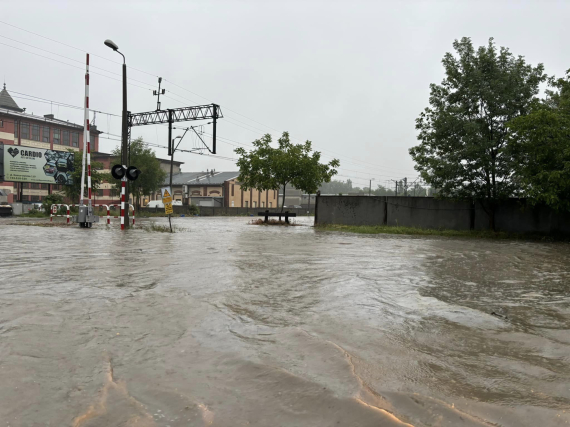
[(37, 165)]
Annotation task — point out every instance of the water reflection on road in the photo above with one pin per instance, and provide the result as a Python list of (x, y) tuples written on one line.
[(228, 324)]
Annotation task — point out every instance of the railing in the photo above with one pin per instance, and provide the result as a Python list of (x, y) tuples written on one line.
[(53, 212), (119, 206), (98, 206)]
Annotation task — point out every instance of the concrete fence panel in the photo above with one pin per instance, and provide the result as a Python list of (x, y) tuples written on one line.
[(427, 212), (513, 215), (351, 210)]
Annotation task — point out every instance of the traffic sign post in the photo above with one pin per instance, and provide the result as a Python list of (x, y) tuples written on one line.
[(124, 173), (167, 201)]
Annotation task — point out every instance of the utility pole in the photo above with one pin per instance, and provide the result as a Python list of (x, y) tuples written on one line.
[(396, 192), (125, 143), (406, 187), (158, 93), (370, 187), (125, 136)]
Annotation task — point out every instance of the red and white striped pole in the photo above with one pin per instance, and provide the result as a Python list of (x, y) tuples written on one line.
[(67, 214), (88, 133), (108, 216), (123, 184)]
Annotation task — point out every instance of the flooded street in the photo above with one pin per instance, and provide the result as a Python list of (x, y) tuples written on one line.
[(229, 324)]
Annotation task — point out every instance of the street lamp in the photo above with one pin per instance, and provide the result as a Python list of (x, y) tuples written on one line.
[(125, 142)]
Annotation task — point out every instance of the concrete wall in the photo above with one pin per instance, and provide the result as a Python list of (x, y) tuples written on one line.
[(427, 212), (513, 215), (516, 216), (349, 210)]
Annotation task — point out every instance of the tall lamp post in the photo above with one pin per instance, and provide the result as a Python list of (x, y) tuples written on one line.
[(125, 142)]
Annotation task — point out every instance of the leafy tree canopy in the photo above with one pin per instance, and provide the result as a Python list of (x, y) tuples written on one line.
[(269, 168), (540, 146), (463, 149), (152, 176), (72, 192)]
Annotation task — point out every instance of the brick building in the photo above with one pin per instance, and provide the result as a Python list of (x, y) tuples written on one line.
[(19, 128), (213, 188)]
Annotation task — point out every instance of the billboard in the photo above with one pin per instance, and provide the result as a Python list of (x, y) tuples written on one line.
[(28, 164)]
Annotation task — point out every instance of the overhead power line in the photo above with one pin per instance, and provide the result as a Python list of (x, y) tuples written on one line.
[(354, 161), (72, 47), (71, 65)]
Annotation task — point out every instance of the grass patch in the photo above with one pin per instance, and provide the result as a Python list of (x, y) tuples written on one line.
[(153, 227), (35, 214), (39, 224), (260, 221), (412, 231)]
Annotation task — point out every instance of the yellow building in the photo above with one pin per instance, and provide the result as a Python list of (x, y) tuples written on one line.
[(212, 188)]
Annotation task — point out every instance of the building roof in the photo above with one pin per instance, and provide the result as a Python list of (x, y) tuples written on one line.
[(7, 102), (200, 178), (9, 107)]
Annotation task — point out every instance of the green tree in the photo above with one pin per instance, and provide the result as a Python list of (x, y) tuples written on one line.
[(382, 191), (51, 199), (72, 192), (269, 168), (540, 146), (152, 176), (463, 149)]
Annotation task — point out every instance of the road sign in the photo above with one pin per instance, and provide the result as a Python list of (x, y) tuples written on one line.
[(167, 200)]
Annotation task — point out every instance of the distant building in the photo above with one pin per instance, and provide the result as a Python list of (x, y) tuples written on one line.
[(212, 188), (107, 194), (19, 128), (294, 197)]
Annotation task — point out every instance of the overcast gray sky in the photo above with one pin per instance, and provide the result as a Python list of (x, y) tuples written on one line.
[(350, 76)]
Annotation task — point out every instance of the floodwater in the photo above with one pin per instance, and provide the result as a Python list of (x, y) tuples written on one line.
[(229, 324)]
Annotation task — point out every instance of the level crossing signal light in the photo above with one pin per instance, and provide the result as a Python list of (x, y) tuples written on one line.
[(120, 172)]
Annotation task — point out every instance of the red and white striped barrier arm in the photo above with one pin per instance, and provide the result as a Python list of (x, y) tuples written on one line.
[(88, 131)]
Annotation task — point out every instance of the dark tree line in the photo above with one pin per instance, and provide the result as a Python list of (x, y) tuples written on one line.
[(486, 135)]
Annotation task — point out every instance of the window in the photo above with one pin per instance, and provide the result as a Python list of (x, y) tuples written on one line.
[(35, 198), (65, 137), (233, 185), (56, 136), (36, 132), (246, 204), (35, 186), (1, 123), (92, 139), (45, 134), (75, 139), (270, 204), (25, 129), (254, 204), (100, 193), (16, 129), (262, 204)]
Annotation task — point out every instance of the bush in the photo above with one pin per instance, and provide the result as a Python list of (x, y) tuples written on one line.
[(51, 199)]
